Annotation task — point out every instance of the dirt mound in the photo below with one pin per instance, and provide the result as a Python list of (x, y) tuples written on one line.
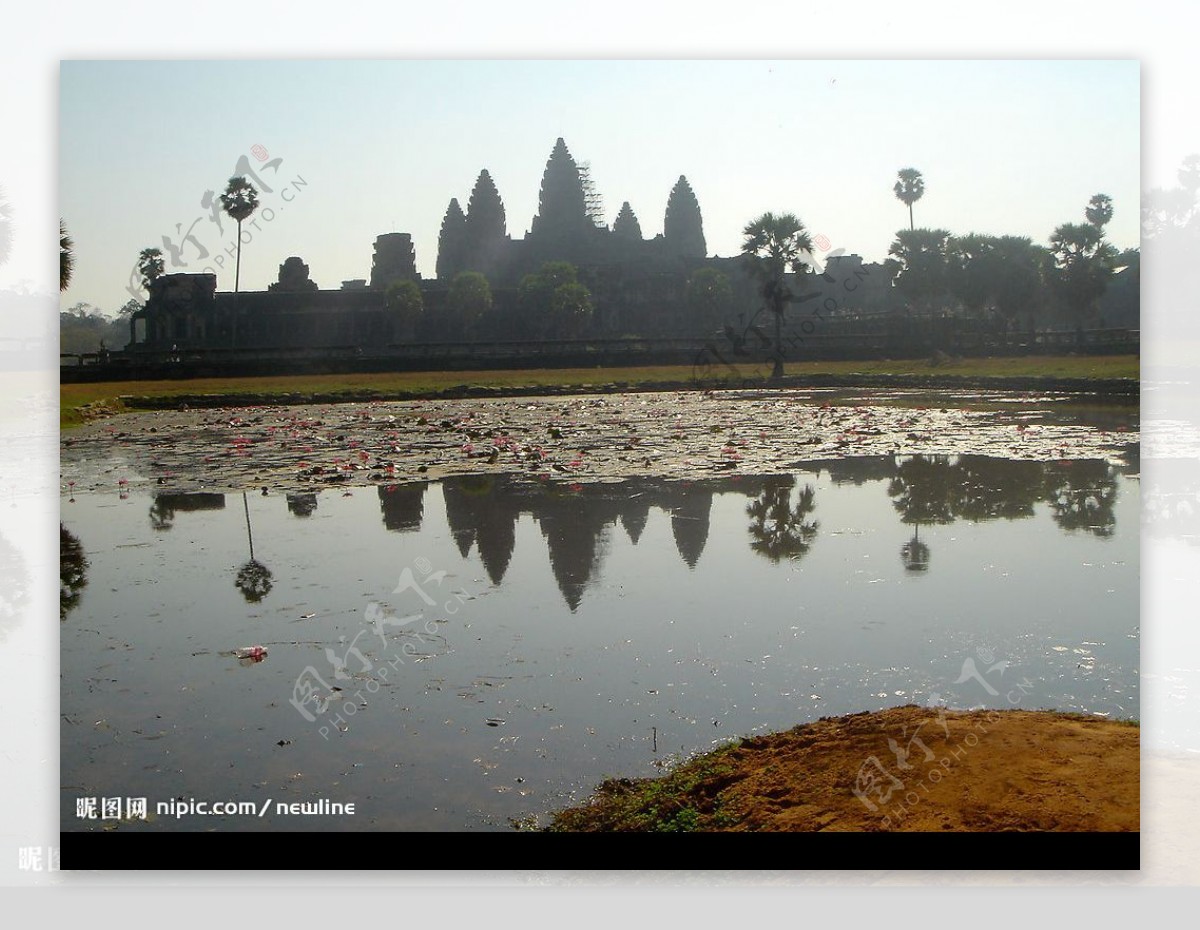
[(907, 768)]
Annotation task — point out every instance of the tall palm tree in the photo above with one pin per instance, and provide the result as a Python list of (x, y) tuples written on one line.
[(772, 246), (239, 201), (910, 186), (66, 257)]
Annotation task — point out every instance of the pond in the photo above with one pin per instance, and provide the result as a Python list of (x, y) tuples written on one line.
[(460, 653)]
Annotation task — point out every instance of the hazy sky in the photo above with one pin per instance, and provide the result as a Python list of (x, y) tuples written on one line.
[(1009, 147)]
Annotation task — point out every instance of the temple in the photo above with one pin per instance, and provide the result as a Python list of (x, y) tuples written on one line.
[(627, 285)]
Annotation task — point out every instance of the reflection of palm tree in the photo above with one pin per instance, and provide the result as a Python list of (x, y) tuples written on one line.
[(253, 578), (780, 530), (254, 581), (914, 553), (72, 571), (926, 491)]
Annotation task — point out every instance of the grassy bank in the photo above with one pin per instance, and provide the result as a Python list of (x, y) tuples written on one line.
[(404, 385), (1025, 770)]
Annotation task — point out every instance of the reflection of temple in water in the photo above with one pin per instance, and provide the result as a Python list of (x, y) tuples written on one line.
[(576, 521), (690, 507), (165, 506), (403, 505), (575, 528), (481, 511), (303, 504)]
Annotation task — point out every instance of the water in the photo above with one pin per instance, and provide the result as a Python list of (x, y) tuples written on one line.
[(578, 631)]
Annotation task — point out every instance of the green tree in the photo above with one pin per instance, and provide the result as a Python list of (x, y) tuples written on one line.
[(239, 201), (924, 277), (1019, 270), (570, 311), (772, 246), (83, 329), (553, 303), (66, 257), (972, 271), (470, 298), (150, 266), (405, 307), (1083, 264), (910, 187)]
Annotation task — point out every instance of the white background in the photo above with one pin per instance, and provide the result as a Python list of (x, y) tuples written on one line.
[(1162, 35)]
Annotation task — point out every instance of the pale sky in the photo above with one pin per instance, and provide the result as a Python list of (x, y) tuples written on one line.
[(369, 147)]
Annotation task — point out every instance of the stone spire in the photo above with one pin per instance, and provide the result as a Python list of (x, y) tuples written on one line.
[(485, 226), (451, 242), (293, 277), (682, 227), (395, 260), (626, 227), (562, 205)]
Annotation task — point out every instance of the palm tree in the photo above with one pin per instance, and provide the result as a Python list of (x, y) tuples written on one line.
[(239, 201), (1099, 210), (1083, 264), (773, 245), (910, 186), (66, 257)]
